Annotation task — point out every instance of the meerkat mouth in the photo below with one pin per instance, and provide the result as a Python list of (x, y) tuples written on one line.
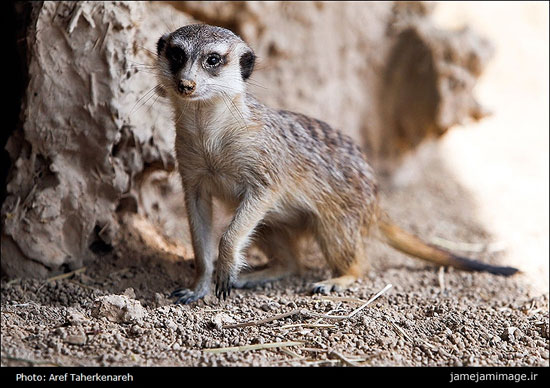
[(190, 97)]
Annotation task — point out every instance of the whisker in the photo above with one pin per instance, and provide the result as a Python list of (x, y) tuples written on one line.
[(150, 91), (248, 81), (223, 87), (226, 100), (153, 53), (152, 65), (239, 113), (149, 72), (236, 109), (226, 96), (145, 68), (179, 117), (148, 95), (154, 102)]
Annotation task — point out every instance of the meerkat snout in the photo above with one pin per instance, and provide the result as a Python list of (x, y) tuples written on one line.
[(186, 87)]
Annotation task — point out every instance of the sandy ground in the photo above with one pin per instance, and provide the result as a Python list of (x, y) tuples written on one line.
[(482, 190)]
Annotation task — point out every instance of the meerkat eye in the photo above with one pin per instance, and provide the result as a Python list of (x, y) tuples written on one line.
[(213, 60)]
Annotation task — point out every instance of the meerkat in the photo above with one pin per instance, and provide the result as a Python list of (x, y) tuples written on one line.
[(285, 175)]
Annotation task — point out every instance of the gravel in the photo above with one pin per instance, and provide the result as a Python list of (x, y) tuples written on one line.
[(408, 325)]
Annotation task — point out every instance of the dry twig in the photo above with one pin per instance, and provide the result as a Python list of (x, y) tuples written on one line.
[(313, 325), (345, 360), (342, 299), (66, 275), (354, 312), (400, 331), (262, 321), (295, 356), (253, 347)]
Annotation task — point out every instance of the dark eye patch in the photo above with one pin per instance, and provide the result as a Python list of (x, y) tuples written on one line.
[(176, 57), (246, 62), (160, 45)]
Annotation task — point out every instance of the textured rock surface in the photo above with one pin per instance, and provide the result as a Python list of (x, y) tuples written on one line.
[(96, 141), (86, 147), (118, 308)]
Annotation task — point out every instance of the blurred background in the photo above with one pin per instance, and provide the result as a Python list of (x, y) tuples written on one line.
[(503, 159)]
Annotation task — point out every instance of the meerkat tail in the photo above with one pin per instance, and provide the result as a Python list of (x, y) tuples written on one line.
[(412, 245)]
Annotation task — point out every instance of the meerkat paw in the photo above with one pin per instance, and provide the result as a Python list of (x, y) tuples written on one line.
[(224, 283), (324, 288), (223, 287), (335, 284), (186, 296)]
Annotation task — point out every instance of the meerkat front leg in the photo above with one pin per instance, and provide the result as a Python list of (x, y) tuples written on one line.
[(199, 214), (236, 238)]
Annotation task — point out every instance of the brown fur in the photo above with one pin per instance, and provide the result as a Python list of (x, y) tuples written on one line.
[(286, 175)]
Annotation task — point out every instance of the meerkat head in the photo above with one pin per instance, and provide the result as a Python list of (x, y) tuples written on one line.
[(201, 62)]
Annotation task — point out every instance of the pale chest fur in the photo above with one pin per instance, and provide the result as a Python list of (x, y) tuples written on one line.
[(214, 151)]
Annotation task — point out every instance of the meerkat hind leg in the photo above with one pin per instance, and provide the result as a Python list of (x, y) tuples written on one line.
[(343, 258), (281, 249), (266, 275)]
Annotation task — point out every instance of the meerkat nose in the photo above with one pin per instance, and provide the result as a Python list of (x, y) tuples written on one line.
[(186, 86)]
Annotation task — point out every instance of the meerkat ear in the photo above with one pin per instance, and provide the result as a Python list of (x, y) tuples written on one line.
[(161, 43), (247, 63)]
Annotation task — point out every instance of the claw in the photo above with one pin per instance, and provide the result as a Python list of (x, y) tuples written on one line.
[(180, 293), (176, 292), (185, 296), (218, 292), (322, 289), (223, 289), (182, 300)]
